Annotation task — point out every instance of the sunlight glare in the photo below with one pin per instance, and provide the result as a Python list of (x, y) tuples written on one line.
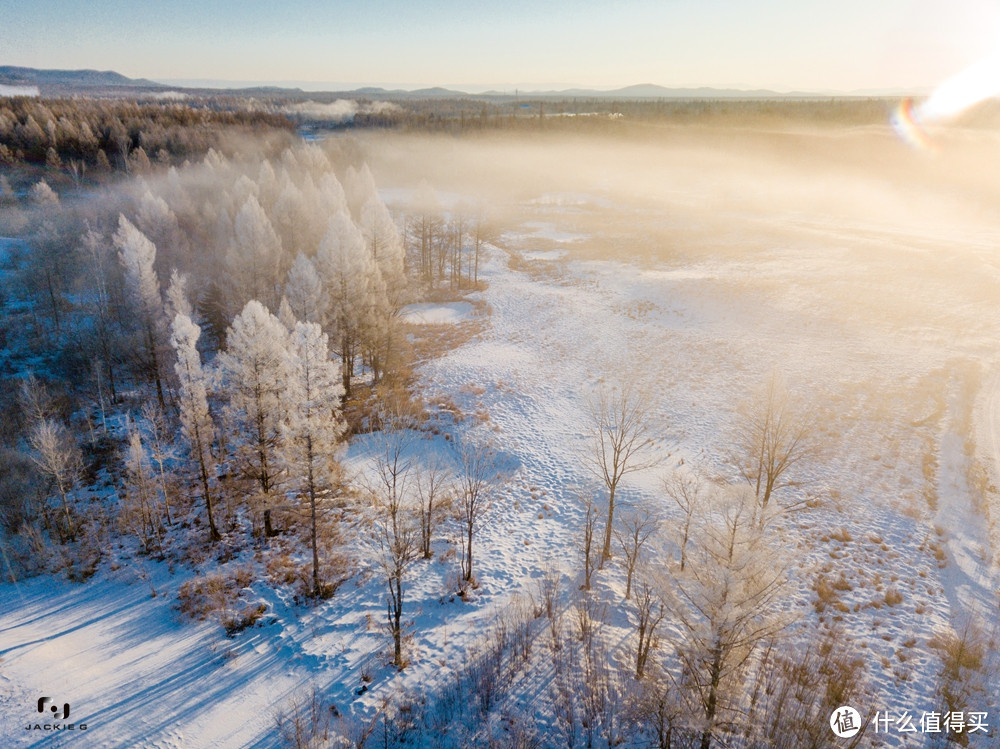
[(976, 83)]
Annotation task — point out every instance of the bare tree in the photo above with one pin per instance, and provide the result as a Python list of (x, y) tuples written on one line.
[(432, 487), (687, 492), (476, 484), (621, 432), (160, 449), (398, 548), (396, 534), (589, 553), (483, 232), (634, 530), (425, 228), (772, 438), (97, 259), (650, 612)]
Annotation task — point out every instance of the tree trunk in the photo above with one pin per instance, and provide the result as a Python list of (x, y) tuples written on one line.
[(312, 512), (606, 553), (713, 697), (396, 624), (214, 534), (468, 556)]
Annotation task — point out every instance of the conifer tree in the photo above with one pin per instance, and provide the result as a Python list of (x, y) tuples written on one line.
[(304, 291), (312, 425), (254, 256), (349, 274), (137, 255), (196, 420), (255, 375)]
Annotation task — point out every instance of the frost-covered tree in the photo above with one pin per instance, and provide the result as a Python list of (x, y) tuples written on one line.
[(286, 315), (312, 425), (384, 242), (329, 197), (157, 221), (137, 255), (350, 275), (196, 420), (304, 291), (177, 299), (359, 186), (160, 449), (43, 195), (254, 256), (726, 604), (291, 219), (56, 454), (137, 513), (255, 374)]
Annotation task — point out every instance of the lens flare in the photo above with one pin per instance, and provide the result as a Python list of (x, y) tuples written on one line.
[(957, 94), (905, 122)]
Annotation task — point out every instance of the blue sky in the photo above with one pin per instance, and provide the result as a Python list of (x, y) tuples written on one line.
[(782, 44)]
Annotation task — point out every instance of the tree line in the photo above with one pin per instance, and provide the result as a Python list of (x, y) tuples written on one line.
[(101, 135)]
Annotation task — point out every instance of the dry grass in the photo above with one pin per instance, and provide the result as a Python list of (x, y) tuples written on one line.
[(214, 594), (841, 534)]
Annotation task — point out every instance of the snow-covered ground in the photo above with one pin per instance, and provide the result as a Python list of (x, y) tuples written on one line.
[(436, 314), (889, 336)]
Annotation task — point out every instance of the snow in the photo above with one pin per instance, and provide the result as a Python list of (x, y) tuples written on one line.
[(436, 314), (872, 332), (544, 254), (547, 230)]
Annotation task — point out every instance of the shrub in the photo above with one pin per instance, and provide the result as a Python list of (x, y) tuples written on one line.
[(842, 535), (247, 617), (893, 597)]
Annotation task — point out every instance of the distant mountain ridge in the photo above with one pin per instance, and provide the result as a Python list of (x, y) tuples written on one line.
[(58, 82), (18, 76)]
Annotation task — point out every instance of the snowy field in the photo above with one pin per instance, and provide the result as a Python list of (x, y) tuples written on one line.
[(887, 330)]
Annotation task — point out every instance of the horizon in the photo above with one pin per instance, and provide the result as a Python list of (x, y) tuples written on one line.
[(507, 88), (778, 45), (471, 89)]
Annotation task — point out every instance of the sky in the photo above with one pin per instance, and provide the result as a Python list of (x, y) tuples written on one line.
[(785, 45)]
